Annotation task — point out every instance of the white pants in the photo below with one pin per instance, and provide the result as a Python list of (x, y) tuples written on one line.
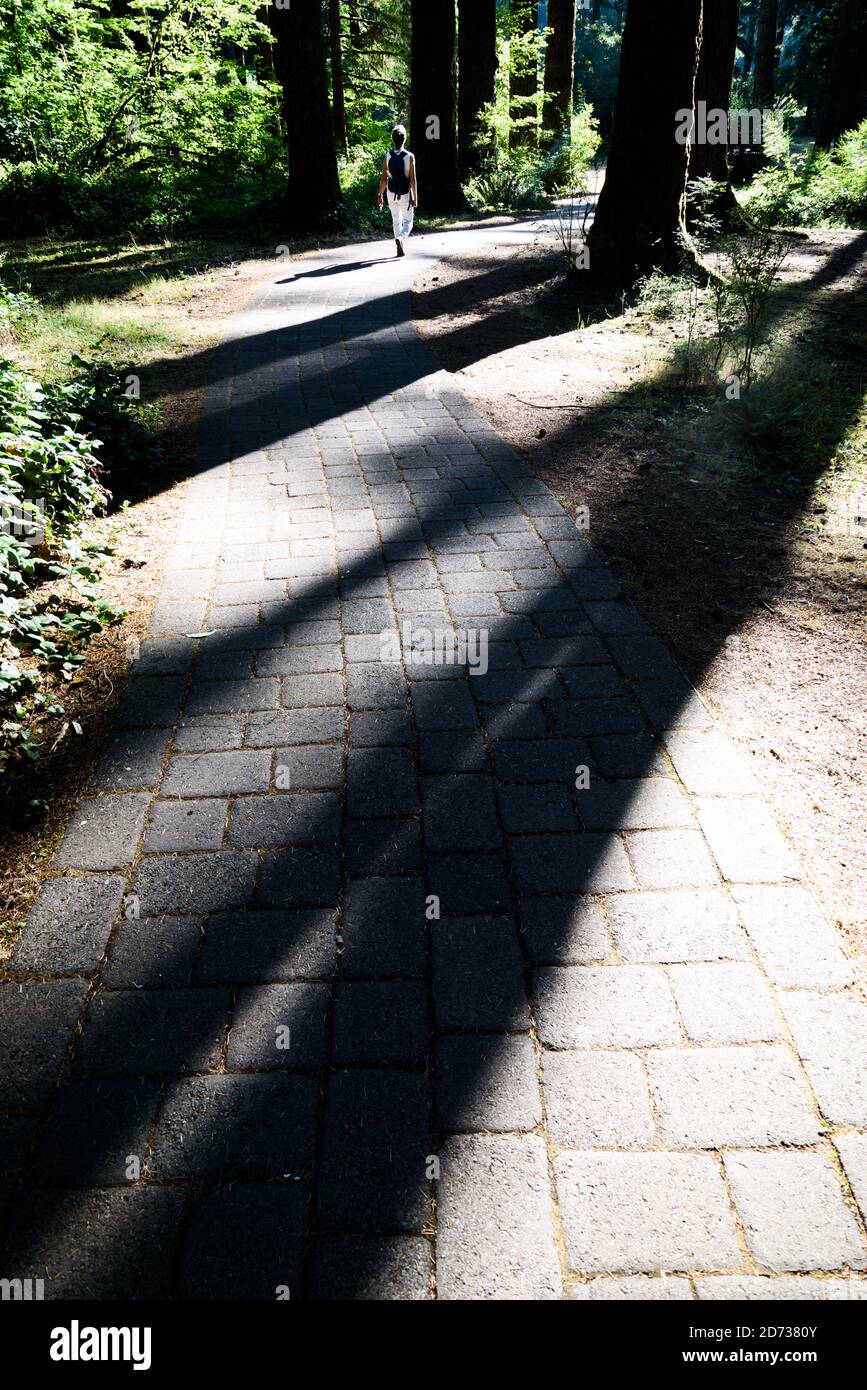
[(401, 214)]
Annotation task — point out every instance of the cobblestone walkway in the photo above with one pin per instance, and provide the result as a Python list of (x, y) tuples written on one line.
[(344, 984)]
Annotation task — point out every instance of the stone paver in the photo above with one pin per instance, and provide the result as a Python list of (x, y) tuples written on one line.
[(727, 1002), (104, 833), (635, 1287), (712, 1098), (852, 1149), (343, 947), (597, 1100), (69, 925), (605, 1006), (786, 1288), (796, 947), (830, 1033), (617, 1207), (495, 1228), (680, 926), (793, 1211)]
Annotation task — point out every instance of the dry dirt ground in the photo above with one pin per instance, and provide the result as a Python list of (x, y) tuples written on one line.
[(760, 598)]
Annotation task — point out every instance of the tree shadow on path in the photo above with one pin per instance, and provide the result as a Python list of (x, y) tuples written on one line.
[(310, 1167)]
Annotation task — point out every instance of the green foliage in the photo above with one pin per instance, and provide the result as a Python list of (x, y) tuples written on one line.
[(564, 168), (147, 116), (521, 58), (359, 181), (664, 298), (760, 398), (508, 178), (16, 308), (597, 66), (97, 400), (726, 321), (805, 56), (521, 177), (375, 47), (816, 187), (50, 485)]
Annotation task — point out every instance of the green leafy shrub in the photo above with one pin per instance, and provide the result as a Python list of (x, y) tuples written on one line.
[(223, 194), (664, 297), (97, 400), (49, 602), (509, 178), (815, 187), (146, 117), (564, 168), (16, 308), (359, 181)]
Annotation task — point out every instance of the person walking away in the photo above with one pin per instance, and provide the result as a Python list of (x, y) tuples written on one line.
[(399, 177)]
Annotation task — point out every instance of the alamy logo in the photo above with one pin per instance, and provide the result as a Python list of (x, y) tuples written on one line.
[(22, 1290), (715, 126), (77, 1343), (422, 646), (24, 519)]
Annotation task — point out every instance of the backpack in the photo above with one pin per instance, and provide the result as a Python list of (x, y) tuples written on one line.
[(398, 182)]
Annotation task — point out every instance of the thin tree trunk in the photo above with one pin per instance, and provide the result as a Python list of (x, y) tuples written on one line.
[(766, 55), (845, 104), (338, 100), (313, 198), (477, 69), (523, 85), (713, 86), (432, 114), (559, 65), (640, 219)]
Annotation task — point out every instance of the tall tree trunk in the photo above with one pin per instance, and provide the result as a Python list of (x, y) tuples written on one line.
[(432, 113), (713, 86), (313, 198), (559, 65), (338, 100), (845, 104), (524, 20), (596, 11), (640, 219), (477, 68), (766, 55)]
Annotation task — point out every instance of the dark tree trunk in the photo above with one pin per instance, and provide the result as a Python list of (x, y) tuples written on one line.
[(596, 11), (713, 86), (313, 193), (432, 115), (559, 65), (338, 101), (845, 104), (766, 54), (526, 84), (640, 220), (477, 67)]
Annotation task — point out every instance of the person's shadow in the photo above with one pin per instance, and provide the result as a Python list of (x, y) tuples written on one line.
[(340, 269)]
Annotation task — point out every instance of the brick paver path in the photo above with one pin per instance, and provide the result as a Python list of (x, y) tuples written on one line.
[(340, 985)]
